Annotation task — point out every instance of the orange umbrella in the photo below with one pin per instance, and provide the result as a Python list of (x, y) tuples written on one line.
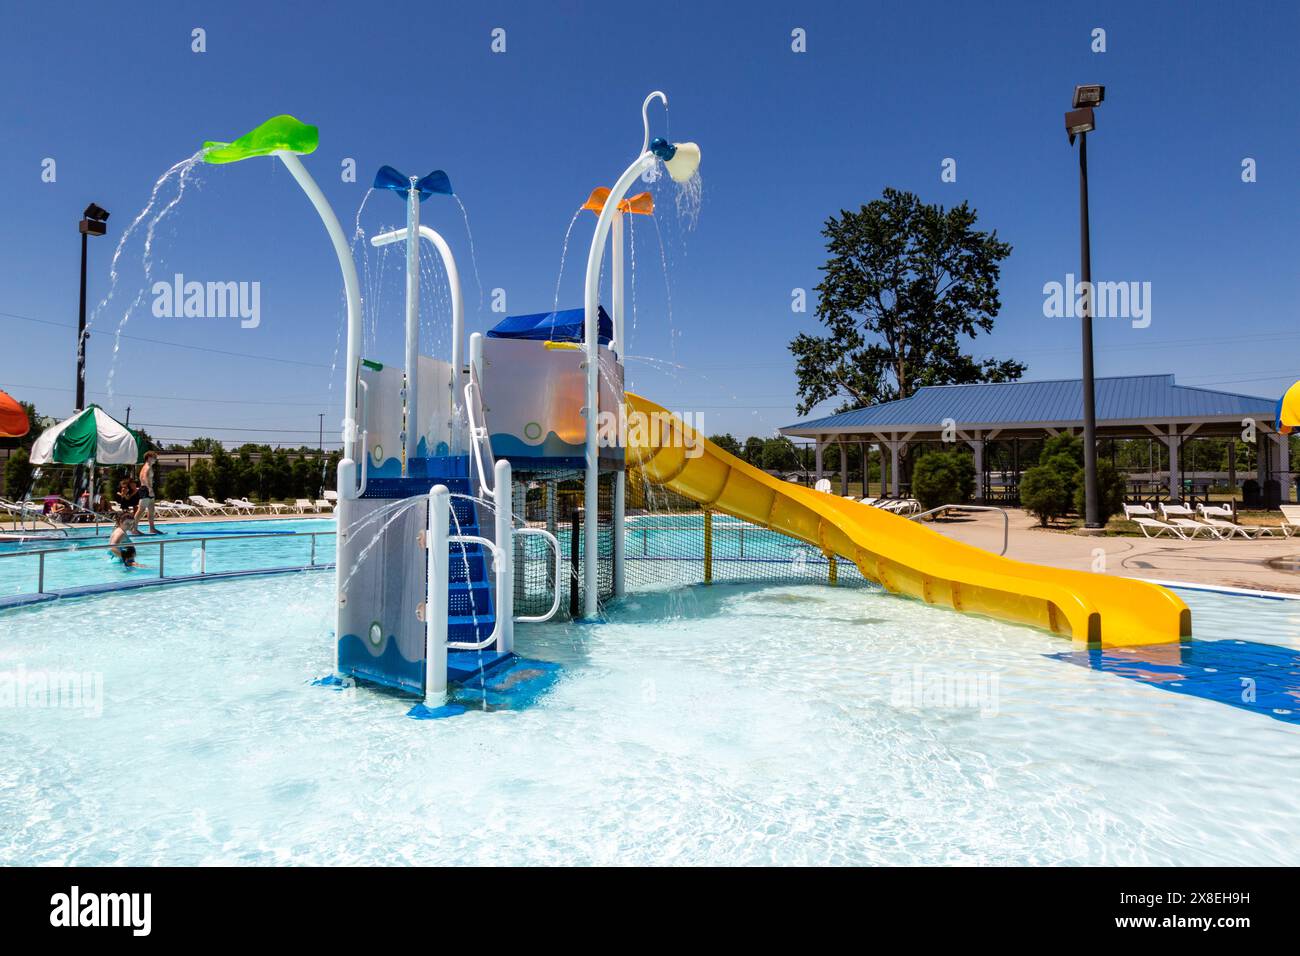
[(13, 418)]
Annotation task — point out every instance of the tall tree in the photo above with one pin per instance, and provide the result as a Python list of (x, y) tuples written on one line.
[(905, 282)]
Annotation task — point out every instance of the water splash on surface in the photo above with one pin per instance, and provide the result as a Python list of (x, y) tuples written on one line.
[(183, 172), (564, 252), (473, 258)]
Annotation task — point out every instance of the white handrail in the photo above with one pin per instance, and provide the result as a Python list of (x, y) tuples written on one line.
[(559, 575), (475, 434), (502, 577), (365, 436)]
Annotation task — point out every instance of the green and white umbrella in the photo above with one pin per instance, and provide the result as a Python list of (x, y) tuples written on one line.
[(88, 437)]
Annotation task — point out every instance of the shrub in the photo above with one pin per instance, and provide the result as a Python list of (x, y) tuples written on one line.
[(941, 478), (1110, 485), (1045, 492)]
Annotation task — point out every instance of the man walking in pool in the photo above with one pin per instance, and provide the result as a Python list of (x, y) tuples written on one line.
[(148, 475)]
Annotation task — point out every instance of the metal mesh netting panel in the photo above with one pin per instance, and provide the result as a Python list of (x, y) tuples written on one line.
[(553, 499), (671, 541)]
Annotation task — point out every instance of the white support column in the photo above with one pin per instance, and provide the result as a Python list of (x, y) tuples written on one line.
[(618, 348), (844, 468), (502, 500), (817, 454), (894, 446), (977, 445), (435, 599)]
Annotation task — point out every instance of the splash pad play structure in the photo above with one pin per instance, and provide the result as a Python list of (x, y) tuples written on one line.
[(446, 461)]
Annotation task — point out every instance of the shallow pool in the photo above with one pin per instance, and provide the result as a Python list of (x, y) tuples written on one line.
[(715, 725), (83, 562)]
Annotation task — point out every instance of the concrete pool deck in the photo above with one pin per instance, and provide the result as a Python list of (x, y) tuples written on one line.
[(1235, 563)]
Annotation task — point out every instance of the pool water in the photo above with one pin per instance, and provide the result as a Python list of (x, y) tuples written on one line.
[(731, 724), (74, 566)]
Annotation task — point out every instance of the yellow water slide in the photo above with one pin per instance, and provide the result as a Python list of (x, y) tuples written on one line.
[(903, 556)]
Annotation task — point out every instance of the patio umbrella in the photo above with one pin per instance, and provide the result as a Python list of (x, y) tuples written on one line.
[(13, 418), (88, 437), (1288, 410)]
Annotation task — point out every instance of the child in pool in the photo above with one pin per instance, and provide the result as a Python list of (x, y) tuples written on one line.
[(121, 541)]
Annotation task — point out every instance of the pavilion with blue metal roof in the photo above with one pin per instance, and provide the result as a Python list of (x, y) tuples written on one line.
[(1129, 406)]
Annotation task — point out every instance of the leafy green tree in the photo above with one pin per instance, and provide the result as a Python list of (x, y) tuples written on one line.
[(1063, 443), (779, 454), (904, 283), (223, 474), (754, 451), (204, 446), (176, 485), (18, 473), (201, 479), (942, 478), (727, 443)]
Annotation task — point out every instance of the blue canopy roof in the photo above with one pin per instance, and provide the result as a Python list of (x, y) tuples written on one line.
[(563, 326), (1121, 399)]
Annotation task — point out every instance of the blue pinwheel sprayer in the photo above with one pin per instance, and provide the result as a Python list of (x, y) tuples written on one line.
[(428, 533)]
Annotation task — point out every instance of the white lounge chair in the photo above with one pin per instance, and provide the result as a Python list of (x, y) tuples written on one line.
[(1226, 529), (1138, 511), (1192, 529), (302, 506), (331, 496), (209, 507), (823, 485), (322, 505), (1290, 519), (1215, 511), (1151, 528), (185, 508), (1174, 510), (241, 505), (275, 507)]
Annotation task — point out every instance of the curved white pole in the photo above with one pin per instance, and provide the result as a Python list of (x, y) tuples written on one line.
[(591, 336), (457, 314), (645, 115), (457, 300), (352, 289), (347, 472)]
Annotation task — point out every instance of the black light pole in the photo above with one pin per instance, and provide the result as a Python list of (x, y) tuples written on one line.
[(1080, 122), (94, 222)]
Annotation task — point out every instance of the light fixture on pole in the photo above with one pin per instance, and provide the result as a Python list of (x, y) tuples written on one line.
[(1079, 122), (94, 222)]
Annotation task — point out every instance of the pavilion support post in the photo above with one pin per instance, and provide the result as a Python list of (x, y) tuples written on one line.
[(977, 445), (866, 469), (1173, 442), (1232, 467), (817, 459), (844, 469), (893, 467)]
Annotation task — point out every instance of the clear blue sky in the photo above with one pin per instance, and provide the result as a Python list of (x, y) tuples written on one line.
[(886, 92)]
